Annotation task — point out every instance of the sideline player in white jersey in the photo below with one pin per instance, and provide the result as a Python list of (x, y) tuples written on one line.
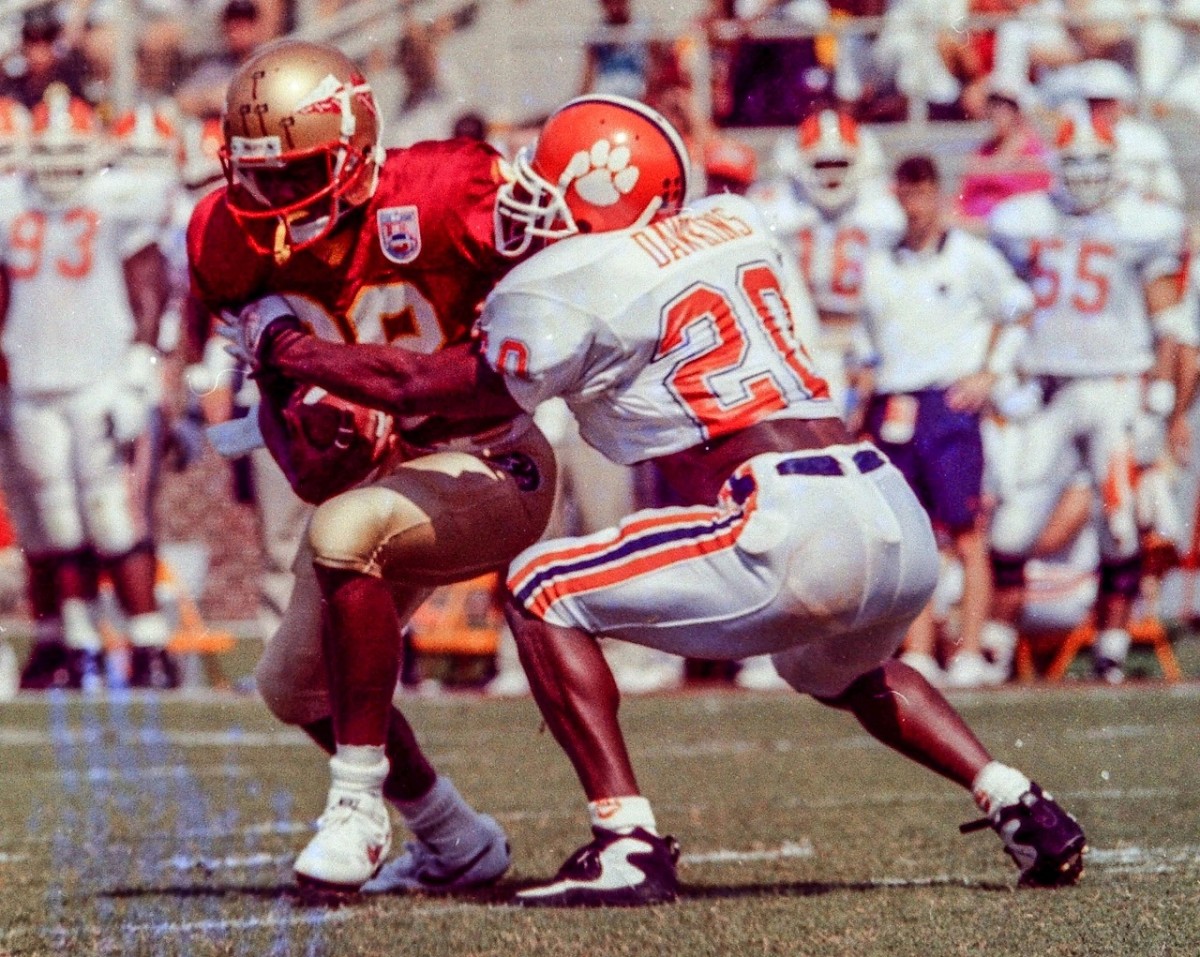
[(670, 335), (1104, 265), (830, 212), (85, 289)]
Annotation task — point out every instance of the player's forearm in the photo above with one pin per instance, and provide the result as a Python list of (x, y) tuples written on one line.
[(452, 382)]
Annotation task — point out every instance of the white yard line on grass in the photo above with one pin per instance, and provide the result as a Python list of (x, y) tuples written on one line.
[(789, 849), (36, 737)]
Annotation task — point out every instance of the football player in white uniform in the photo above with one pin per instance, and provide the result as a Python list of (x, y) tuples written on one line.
[(83, 374), (797, 541), (830, 212), (1104, 264)]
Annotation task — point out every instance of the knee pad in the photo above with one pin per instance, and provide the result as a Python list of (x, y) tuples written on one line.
[(348, 531), (110, 522), (60, 519), (1121, 577), (1008, 571)]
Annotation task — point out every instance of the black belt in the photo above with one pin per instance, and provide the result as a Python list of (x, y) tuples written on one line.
[(865, 460)]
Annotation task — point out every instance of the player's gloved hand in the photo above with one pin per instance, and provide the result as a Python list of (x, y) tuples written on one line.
[(185, 440), (136, 394), (247, 331), (1014, 399)]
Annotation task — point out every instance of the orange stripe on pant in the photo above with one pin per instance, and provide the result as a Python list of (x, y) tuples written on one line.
[(592, 579)]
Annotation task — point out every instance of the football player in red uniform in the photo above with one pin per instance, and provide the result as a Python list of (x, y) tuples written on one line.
[(393, 252)]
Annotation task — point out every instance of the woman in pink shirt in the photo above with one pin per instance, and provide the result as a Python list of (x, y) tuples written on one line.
[(1013, 160)]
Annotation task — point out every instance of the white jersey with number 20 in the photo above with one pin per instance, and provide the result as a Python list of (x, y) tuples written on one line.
[(659, 338)]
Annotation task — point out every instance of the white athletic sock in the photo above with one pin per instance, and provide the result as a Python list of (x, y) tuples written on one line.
[(443, 820), (351, 770), (997, 786), (149, 630), (1113, 644), (622, 813), (79, 630), (999, 641), (361, 755)]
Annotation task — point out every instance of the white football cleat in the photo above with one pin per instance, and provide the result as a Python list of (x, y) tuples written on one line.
[(482, 860), (353, 836), (926, 666), (759, 674), (969, 669)]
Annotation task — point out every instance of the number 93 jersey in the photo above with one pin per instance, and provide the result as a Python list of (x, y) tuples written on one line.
[(69, 322), (1089, 273), (659, 338)]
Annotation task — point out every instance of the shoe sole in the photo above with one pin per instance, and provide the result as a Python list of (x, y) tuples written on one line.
[(315, 884), (581, 897)]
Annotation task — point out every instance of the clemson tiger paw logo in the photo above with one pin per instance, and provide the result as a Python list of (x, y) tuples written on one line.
[(602, 175)]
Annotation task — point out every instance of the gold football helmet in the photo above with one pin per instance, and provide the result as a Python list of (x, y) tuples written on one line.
[(301, 132)]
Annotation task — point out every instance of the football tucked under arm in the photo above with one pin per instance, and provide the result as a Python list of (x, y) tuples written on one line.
[(324, 444)]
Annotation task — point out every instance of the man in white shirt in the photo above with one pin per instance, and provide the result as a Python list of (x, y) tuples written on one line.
[(944, 312)]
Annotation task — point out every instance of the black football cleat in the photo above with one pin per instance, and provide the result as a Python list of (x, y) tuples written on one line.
[(48, 666), (153, 668), (631, 869), (1044, 841)]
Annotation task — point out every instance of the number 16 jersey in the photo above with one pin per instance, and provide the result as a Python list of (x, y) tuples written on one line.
[(659, 338), (1088, 272)]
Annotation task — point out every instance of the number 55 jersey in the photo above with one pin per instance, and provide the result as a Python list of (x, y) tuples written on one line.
[(659, 338), (1089, 272)]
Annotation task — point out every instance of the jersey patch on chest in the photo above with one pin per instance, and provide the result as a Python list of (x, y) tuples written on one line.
[(399, 233)]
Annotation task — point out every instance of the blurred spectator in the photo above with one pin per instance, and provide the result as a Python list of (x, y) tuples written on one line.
[(923, 56), (243, 29), (433, 100), (1012, 160), (1032, 44), (1168, 58), (765, 81), (42, 58), (632, 66)]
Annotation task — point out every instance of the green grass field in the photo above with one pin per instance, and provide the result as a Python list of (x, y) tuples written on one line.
[(167, 826)]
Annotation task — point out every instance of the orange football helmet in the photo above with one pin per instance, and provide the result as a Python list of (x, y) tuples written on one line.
[(14, 134), (830, 150), (65, 145), (600, 163), (146, 138), (301, 144), (1085, 151), (202, 143)]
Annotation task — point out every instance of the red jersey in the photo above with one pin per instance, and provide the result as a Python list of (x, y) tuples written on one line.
[(412, 266)]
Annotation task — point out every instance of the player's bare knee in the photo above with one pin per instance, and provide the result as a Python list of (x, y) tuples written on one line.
[(346, 533)]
